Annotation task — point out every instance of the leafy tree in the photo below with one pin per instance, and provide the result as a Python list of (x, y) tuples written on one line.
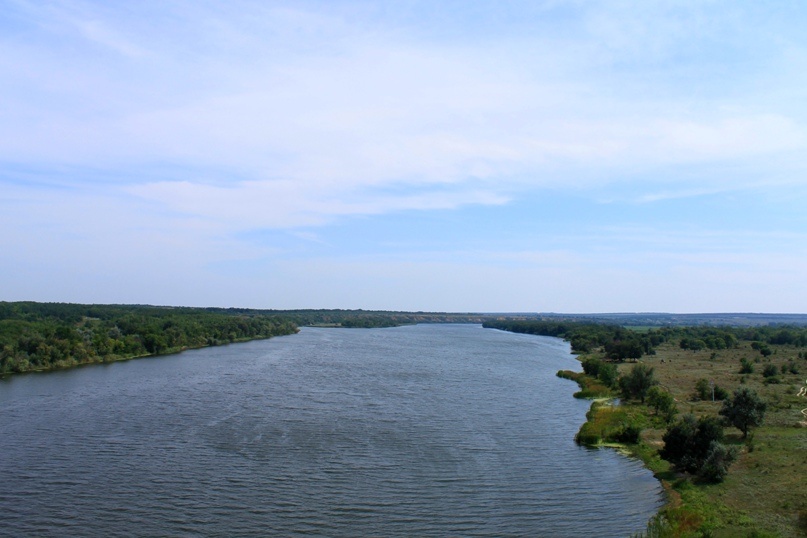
[(619, 350), (637, 382), (718, 459), (608, 374), (745, 410), (662, 402), (604, 371), (591, 366), (688, 442)]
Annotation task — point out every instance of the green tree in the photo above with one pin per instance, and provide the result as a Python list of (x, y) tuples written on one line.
[(619, 350), (716, 464), (688, 442), (637, 382), (662, 402), (745, 410), (608, 374)]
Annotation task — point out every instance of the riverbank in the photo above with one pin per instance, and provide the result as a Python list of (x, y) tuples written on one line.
[(37, 337), (762, 495), (113, 359)]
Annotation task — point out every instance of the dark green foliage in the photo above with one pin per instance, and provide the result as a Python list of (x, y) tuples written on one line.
[(690, 442), (629, 434), (720, 393), (609, 375), (662, 402), (746, 367), (745, 410), (705, 391), (637, 382), (770, 370), (43, 336), (762, 347), (618, 342), (606, 372), (591, 366), (624, 348), (715, 466), (697, 338), (369, 322)]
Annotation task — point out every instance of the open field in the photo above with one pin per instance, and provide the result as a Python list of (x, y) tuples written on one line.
[(763, 494)]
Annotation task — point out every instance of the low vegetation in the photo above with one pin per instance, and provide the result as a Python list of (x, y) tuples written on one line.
[(721, 425)]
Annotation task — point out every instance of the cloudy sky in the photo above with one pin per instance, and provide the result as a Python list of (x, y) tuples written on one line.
[(566, 156)]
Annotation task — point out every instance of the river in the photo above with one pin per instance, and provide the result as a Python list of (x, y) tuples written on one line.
[(426, 430)]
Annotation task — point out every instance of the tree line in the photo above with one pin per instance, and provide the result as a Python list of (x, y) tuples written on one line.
[(44, 336), (621, 343), (618, 343)]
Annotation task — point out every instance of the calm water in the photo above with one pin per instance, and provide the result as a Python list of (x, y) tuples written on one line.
[(429, 430)]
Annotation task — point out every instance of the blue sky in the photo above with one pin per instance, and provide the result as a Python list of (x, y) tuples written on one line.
[(564, 156)]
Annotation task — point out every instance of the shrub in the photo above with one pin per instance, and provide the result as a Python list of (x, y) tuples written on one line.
[(716, 464), (704, 391), (629, 434), (687, 443)]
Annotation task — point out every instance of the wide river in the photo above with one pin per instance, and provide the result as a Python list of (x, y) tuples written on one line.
[(427, 430)]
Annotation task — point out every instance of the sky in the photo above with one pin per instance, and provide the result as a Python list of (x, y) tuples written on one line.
[(453, 156)]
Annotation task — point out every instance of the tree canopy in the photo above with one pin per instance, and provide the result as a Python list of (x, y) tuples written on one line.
[(744, 410), (43, 336)]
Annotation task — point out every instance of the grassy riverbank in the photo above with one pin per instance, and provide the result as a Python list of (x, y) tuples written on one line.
[(763, 494)]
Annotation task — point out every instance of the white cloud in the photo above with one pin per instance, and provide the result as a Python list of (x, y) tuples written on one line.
[(174, 127), (266, 96), (289, 204)]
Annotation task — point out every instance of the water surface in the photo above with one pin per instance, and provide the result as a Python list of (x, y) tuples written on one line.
[(428, 430)]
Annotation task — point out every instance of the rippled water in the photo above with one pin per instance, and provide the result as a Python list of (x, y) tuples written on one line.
[(428, 430)]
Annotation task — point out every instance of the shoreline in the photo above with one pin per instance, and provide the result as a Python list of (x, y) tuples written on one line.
[(672, 499), (102, 361)]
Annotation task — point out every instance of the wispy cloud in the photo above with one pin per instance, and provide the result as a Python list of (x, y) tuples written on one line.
[(186, 126)]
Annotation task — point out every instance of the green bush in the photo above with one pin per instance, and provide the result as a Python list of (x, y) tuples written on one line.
[(688, 442), (746, 367), (629, 434), (717, 462)]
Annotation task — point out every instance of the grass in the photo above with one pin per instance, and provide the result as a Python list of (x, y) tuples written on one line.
[(589, 386), (763, 494)]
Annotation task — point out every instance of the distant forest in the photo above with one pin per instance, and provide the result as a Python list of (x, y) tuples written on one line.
[(44, 336), (623, 343)]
